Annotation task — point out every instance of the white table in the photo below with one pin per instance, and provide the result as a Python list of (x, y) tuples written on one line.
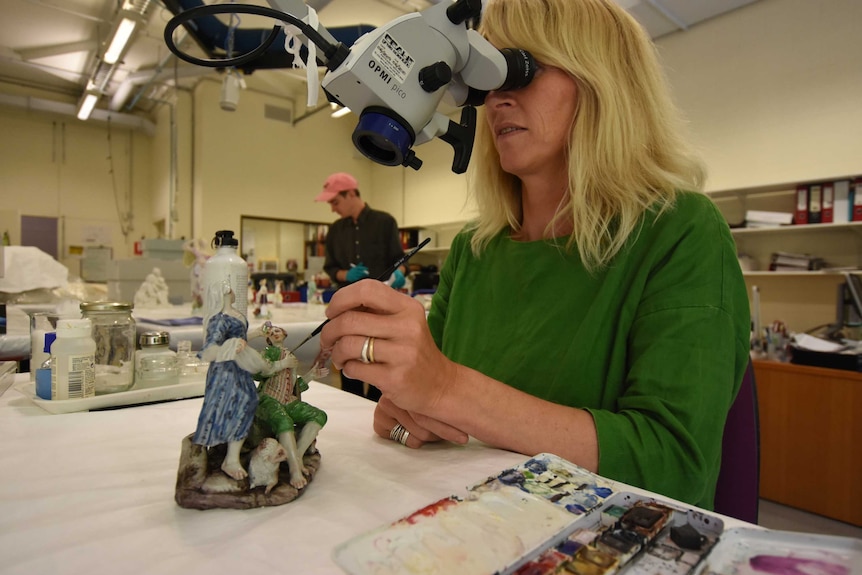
[(93, 492)]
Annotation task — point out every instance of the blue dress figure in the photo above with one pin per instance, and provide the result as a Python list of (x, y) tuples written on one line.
[(230, 398)]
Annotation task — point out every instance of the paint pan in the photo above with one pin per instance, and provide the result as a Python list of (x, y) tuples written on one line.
[(631, 534)]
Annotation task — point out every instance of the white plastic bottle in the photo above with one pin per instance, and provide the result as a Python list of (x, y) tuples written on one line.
[(73, 358), (226, 264)]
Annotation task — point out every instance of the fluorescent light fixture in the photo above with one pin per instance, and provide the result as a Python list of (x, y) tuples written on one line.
[(86, 105), (340, 112), (119, 41)]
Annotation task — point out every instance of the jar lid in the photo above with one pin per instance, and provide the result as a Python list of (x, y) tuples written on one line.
[(106, 306), (154, 338)]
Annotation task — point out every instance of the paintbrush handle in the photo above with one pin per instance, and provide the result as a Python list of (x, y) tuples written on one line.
[(382, 277)]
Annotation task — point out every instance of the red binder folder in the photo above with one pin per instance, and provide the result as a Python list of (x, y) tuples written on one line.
[(827, 212), (857, 200)]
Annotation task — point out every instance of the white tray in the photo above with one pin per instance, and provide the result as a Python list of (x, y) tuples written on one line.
[(183, 390)]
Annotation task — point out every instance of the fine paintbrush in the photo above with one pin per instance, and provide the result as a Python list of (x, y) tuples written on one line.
[(382, 277)]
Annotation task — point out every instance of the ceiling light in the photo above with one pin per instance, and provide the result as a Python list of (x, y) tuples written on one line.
[(86, 104), (119, 40)]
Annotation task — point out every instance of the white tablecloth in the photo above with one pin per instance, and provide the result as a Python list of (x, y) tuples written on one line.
[(93, 492)]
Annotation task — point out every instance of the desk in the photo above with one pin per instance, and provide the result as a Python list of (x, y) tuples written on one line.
[(94, 492)]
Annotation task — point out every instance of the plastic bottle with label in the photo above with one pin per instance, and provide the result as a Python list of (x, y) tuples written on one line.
[(73, 355), (226, 264)]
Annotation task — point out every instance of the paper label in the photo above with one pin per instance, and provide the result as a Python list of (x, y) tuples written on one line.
[(393, 58), (73, 377)]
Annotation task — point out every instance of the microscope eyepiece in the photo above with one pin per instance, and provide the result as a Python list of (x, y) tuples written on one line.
[(520, 67)]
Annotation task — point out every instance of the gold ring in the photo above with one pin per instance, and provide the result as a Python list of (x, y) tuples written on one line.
[(371, 350), (363, 356)]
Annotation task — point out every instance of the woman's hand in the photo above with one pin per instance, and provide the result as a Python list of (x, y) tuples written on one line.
[(422, 429), (407, 367)]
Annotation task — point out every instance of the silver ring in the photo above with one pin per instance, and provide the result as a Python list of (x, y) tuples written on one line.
[(363, 357), (400, 434)]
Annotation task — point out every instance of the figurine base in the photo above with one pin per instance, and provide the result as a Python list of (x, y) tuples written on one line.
[(201, 484)]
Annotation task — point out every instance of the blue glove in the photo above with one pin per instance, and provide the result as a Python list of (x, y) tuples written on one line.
[(397, 279), (356, 273)]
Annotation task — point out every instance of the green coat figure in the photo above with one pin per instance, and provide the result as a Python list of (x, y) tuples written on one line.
[(280, 411)]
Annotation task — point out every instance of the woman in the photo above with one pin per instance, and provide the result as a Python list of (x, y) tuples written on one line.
[(595, 309)]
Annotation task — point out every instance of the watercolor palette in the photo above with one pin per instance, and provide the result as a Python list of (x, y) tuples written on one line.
[(633, 534), (548, 516)]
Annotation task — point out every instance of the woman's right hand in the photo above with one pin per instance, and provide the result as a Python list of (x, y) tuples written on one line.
[(407, 368)]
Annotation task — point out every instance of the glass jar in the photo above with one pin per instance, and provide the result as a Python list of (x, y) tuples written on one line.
[(155, 363), (189, 365), (114, 334)]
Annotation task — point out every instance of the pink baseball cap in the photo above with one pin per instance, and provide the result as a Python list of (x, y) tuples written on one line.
[(335, 184)]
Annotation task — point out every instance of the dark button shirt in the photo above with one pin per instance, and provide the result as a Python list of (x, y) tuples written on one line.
[(373, 240)]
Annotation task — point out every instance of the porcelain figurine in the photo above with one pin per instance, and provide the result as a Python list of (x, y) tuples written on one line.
[(261, 301), (281, 413), (224, 464), (153, 291), (278, 294)]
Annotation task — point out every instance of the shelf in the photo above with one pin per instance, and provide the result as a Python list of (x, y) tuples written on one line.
[(772, 188), (797, 228)]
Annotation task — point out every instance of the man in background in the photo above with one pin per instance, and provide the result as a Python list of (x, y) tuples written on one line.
[(363, 243)]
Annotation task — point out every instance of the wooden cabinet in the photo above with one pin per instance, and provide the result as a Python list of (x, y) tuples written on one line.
[(811, 438)]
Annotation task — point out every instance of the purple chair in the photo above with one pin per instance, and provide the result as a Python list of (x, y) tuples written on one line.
[(737, 493)]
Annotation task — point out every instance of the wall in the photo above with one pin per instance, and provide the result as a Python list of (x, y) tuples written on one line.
[(246, 164), (171, 202), (772, 95), (772, 91), (429, 196), (83, 173)]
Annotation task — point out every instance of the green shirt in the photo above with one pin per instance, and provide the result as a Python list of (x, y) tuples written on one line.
[(654, 346)]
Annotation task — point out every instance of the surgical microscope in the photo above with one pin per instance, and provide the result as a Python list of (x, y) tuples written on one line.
[(395, 76)]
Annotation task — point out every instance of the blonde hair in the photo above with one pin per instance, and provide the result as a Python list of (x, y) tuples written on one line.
[(626, 151)]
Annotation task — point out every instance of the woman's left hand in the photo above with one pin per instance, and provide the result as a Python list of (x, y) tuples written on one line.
[(421, 429), (403, 360)]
